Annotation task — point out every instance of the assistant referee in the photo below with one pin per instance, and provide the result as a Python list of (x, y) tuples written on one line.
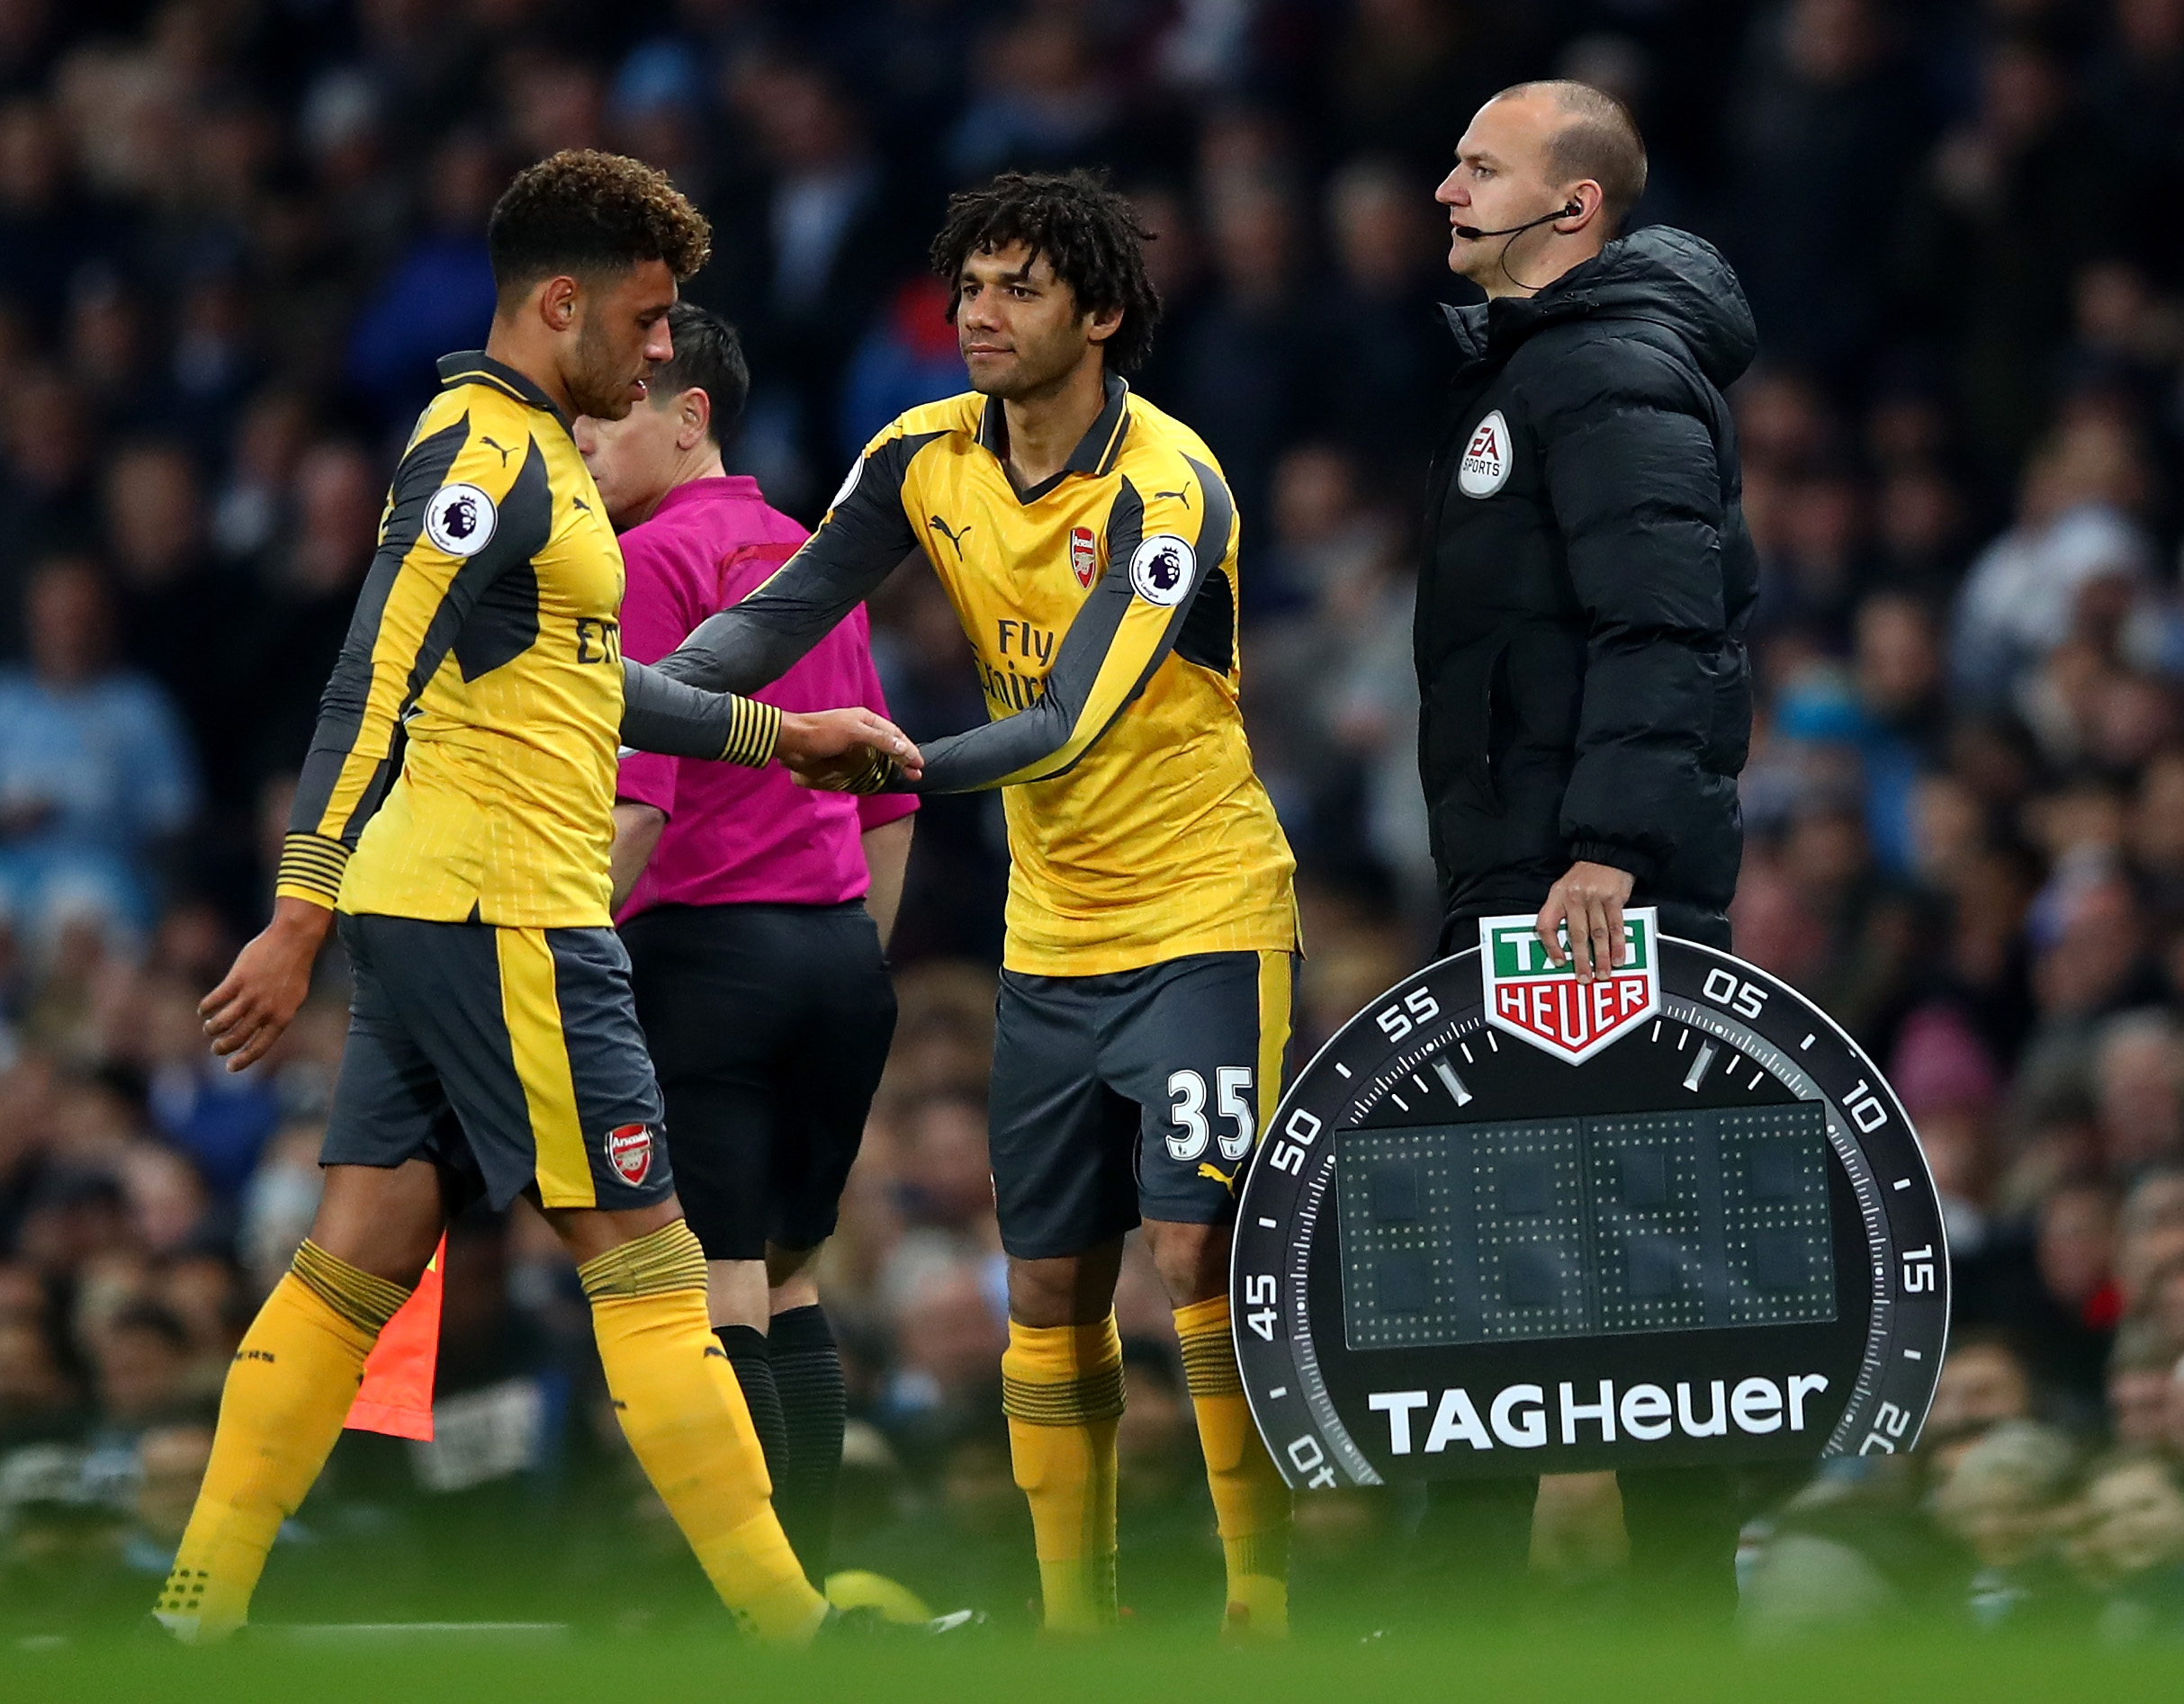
[(755, 913), (1582, 602)]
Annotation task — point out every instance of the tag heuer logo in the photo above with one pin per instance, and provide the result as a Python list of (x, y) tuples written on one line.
[(1484, 467), (1084, 554), (1529, 996), (629, 1149)]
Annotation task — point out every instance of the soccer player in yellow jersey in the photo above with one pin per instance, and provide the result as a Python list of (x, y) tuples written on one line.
[(456, 812), (1089, 544)]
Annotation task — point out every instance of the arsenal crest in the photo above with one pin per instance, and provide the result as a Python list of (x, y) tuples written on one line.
[(1530, 996), (1084, 554), (629, 1149)]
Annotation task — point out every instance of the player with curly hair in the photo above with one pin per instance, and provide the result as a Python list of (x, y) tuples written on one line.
[(1088, 541), (493, 1047)]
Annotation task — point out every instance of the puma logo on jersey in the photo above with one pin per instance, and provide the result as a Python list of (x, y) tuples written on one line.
[(578, 502), (493, 444), (1183, 496), (950, 534), (1226, 1180)]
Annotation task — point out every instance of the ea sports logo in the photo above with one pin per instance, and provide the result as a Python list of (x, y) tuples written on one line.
[(629, 1149), (1484, 467), (1160, 569), (461, 519)]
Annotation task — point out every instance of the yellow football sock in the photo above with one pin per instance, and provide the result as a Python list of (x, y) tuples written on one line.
[(288, 1390), (683, 1413), (1062, 1389), (1251, 1505)]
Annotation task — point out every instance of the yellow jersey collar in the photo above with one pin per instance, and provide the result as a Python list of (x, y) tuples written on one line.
[(1096, 452), (474, 366)]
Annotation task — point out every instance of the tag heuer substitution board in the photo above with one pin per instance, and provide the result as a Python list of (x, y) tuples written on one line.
[(1506, 1223)]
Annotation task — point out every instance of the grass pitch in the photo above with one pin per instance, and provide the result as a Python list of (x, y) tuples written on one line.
[(1546, 1665)]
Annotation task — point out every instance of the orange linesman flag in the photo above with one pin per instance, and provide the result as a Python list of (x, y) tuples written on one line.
[(396, 1394)]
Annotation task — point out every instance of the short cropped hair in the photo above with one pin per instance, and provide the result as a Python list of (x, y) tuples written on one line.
[(708, 357), (583, 211), (1089, 233), (1599, 140)]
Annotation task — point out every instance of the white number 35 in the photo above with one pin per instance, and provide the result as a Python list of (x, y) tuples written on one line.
[(1186, 1113)]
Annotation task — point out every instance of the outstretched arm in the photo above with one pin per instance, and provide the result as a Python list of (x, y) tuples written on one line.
[(850, 751), (662, 715), (1159, 551)]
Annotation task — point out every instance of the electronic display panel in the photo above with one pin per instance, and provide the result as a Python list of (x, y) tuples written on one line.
[(1505, 1223)]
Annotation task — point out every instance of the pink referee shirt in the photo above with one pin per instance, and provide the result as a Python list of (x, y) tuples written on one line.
[(737, 836)]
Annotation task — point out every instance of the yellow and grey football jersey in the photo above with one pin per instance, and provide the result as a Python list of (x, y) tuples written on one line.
[(484, 660), (1101, 607)]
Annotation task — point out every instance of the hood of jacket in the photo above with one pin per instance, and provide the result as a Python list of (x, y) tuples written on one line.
[(1660, 275)]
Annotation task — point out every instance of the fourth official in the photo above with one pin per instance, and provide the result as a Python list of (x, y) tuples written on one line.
[(1582, 602)]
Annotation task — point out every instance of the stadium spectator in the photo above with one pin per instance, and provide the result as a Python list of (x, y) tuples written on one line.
[(439, 295), (97, 776), (2139, 1378), (1821, 126), (170, 1467), (38, 1401), (2133, 1546), (823, 238), (1984, 1382), (2007, 1499), (308, 573)]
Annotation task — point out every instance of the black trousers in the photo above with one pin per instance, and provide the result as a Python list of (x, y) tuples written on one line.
[(770, 1026), (1475, 1539), (1475, 1543)]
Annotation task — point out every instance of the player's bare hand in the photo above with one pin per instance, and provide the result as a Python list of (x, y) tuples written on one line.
[(844, 750), (1590, 899), (258, 997)]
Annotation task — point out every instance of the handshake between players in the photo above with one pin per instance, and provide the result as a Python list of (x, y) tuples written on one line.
[(850, 751)]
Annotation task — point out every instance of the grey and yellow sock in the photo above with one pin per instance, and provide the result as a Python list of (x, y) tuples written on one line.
[(685, 1416), (288, 1392), (1062, 1389), (1251, 1504)]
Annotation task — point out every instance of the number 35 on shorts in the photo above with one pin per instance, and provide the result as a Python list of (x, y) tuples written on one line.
[(1193, 1128)]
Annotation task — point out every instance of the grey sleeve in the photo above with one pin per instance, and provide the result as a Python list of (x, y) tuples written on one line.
[(681, 720), (860, 542)]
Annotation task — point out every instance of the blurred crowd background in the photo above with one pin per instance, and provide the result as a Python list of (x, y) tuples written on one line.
[(234, 234)]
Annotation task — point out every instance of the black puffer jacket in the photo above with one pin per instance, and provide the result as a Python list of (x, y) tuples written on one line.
[(1586, 581)]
